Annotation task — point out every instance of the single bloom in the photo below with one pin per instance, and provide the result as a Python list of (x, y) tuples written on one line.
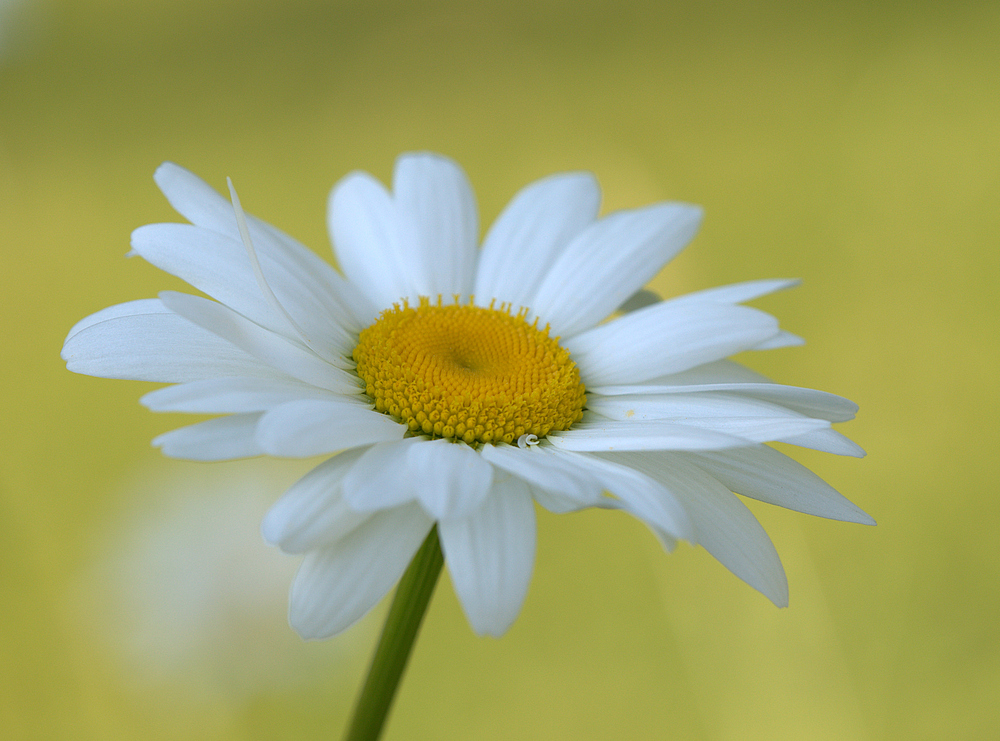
[(460, 384)]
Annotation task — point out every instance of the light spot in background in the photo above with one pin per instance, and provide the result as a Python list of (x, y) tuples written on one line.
[(189, 599)]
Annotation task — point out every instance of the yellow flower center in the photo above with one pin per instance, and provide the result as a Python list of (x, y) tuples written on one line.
[(469, 373)]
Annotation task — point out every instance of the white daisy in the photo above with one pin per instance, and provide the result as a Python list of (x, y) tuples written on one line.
[(460, 384)]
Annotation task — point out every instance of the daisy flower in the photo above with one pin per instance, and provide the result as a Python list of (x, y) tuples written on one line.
[(457, 385)]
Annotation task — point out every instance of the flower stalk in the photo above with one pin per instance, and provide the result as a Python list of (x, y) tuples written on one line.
[(396, 642)]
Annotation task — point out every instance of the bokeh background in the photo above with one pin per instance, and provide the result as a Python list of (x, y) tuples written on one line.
[(853, 144)]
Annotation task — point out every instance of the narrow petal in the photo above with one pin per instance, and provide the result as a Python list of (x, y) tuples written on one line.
[(491, 554), (609, 261), (451, 479), (300, 429), (313, 513), (718, 371), (224, 438), (432, 193), (782, 339), (597, 435), (828, 441), (145, 341), (763, 473), (529, 234), (738, 293), (722, 524), (231, 395), (375, 253), (751, 419), (810, 402), (640, 495), (666, 338), (545, 470), (269, 347), (220, 267), (382, 478), (338, 584)]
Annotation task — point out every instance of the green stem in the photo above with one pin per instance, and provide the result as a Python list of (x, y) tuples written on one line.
[(394, 645)]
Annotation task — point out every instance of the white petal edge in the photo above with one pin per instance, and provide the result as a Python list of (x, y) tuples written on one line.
[(382, 477), (600, 435), (529, 234), (145, 341), (665, 339), (450, 479), (221, 439), (313, 513), (547, 471), (299, 429), (764, 474), (433, 193), (491, 555), (609, 261), (231, 395), (722, 523), (336, 585)]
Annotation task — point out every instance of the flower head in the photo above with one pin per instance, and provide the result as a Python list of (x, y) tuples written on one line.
[(458, 384)]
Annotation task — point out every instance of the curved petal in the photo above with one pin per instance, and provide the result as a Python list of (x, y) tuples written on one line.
[(666, 338), (760, 472), (269, 347), (640, 495), (738, 293), (221, 439), (490, 556), (338, 584), (375, 253), (146, 341), (433, 194), (544, 470), (382, 478), (600, 435), (809, 402), (300, 429), (722, 523), (220, 267), (828, 441), (609, 261), (450, 479), (231, 395), (313, 513), (529, 234)]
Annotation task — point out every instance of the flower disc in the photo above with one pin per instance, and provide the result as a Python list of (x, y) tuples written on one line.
[(468, 373)]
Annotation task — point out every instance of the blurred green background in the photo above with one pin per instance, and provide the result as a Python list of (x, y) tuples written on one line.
[(853, 144)]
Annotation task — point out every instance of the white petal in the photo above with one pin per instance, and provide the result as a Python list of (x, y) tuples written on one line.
[(337, 585), (810, 402), (267, 346), (828, 441), (491, 554), (432, 193), (219, 439), (718, 371), (666, 338), (738, 293), (220, 267), (145, 341), (200, 204), (529, 234), (597, 435), (545, 470), (751, 419), (722, 524), (375, 253), (231, 395), (382, 478), (763, 473), (609, 261), (640, 495), (782, 339), (450, 479), (313, 513), (300, 429)]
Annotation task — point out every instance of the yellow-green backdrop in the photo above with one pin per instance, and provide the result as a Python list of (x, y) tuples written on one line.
[(853, 144)]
